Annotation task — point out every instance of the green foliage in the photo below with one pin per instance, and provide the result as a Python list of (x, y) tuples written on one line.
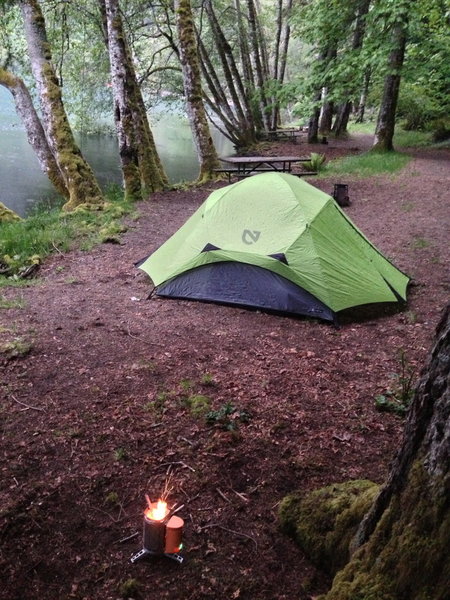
[(411, 139), (366, 165), (25, 243), (207, 379), (416, 107), (199, 405), (398, 399), (227, 417), (186, 385), (158, 405), (129, 588), (316, 162), (14, 303), (441, 130), (120, 454), (419, 243), (112, 498), (16, 348)]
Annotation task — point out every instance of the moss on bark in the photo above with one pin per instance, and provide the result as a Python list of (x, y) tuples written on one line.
[(7, 215), (78, 177), (189, 59), (408, 554), (324, 521)]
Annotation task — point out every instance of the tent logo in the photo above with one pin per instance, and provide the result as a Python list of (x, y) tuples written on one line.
[(250, 237)]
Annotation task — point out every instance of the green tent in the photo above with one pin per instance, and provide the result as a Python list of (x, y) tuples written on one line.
[(273, 241)]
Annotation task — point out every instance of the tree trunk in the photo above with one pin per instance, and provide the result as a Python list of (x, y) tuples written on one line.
[(326, 114), (141, 167), (258, 61), (342, 118), (33, 127), (280, 54), (188, 53), (77, 174), (384, 132), (363, 98), (313, 125), (390, 544), (238, 119), (343, 113), (404, 539)]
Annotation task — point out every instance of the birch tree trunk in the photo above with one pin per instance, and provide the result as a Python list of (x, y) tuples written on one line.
[(77, 174), (34, 130), (384, 131), (188, 53)]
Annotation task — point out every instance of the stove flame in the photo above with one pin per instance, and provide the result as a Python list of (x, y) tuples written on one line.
[(158, 511)]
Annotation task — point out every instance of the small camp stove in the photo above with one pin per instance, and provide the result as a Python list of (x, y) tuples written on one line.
[(162, 532)]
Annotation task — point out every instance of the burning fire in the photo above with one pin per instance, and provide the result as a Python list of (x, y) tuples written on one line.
[(157, 512)]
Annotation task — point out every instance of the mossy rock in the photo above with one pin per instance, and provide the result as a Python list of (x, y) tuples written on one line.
[(324, 521), (7, 215)]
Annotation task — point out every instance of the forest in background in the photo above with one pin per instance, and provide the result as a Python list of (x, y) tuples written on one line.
[(251, 66)]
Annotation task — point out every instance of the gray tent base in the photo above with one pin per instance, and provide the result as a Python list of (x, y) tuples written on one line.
[(245, 285)]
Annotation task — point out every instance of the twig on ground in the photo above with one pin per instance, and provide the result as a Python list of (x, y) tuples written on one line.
[(186, 440), (57, 249), (27, 406), (249, 537), (177, 462), (125, 539), (222, 495), (241, 496)]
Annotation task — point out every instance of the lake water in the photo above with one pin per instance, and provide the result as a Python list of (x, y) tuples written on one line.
[(22, 184)]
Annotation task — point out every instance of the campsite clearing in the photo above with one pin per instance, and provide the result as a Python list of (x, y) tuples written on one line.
[(244, 407)]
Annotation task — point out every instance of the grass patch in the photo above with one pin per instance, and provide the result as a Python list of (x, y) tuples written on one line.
[(368, 127), (16, 348), (419, 243), (366, 165), (14, 303), (411, 139), (28, 242)]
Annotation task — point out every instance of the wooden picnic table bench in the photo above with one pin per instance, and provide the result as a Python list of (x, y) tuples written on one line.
[(288, 133), (245, 166)]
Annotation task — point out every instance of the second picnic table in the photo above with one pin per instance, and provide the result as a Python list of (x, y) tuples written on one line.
[(250, 165)]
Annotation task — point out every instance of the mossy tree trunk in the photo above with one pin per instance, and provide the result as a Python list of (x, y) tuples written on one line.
[(141, 168), (34, 129), (401, 547), (402, 544), (384, 131), (78, 177), (188, 53), (238, 118)]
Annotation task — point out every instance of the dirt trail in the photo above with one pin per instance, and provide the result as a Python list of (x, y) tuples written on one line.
[(103, 405)]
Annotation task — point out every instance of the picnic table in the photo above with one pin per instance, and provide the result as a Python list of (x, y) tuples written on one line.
[(244, 166), (287, 133)]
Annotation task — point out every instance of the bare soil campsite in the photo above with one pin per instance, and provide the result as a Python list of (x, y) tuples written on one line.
[(106, 396)]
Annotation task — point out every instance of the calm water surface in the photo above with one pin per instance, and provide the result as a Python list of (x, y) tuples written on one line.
[(22, 184)]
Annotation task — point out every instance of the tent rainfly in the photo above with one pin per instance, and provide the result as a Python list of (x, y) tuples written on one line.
[(276, 243)]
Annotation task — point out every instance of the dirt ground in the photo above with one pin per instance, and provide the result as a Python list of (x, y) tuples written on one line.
[(102, 410)]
